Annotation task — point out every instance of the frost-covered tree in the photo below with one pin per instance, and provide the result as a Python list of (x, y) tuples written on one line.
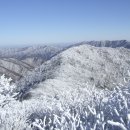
[(6, 89), (101, 110), (109, 113), (5, 86)]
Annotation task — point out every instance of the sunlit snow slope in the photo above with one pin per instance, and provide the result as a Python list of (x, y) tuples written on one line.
[(78, 67)]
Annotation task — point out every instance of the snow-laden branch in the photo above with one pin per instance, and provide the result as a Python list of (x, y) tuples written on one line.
[(120, 125)]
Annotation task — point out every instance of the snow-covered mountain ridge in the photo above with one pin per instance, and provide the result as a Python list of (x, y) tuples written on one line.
[(106, 43), (77, 67), (16, 62), (34, 56), (67, 92), (21, 53)]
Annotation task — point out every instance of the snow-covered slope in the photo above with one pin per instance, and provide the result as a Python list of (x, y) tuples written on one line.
[(61, 93), (78, 67), (32, 51), (15, 63), (14, 68)]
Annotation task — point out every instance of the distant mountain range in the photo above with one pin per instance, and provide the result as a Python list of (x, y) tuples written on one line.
[(76, 67), (107, 43), (15, 62), (99, 63)]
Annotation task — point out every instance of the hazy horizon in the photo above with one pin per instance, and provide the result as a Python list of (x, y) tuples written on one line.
[(31, 22)]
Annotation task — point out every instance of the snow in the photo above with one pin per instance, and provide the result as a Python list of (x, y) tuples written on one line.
[(62, 93), (72, 114), (117, 124), (79, 67)]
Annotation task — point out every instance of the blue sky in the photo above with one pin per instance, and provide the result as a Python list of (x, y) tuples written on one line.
[(59, 21)]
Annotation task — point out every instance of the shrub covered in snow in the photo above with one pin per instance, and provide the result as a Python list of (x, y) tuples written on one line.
[(109, 112), (6, 90)]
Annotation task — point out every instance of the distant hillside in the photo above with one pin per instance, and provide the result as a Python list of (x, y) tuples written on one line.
[(15, 63), (77, 67), (107, 43), (14, 68), (27, 52)]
